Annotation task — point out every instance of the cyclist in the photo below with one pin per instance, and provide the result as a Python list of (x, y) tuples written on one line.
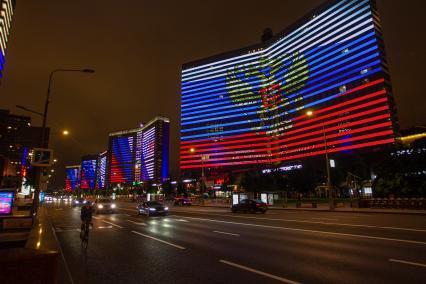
[(86, 219)]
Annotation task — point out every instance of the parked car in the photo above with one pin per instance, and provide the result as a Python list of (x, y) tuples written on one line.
[(151, 208), (104, 205), (249, 205), (182, 201)]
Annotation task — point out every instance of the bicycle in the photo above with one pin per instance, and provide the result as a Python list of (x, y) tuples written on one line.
[(84, 234)]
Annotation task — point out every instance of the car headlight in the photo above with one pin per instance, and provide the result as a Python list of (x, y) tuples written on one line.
[(152, 209), (77, 201), (84, 202), (112, 205), (166, 208), (100, 206)]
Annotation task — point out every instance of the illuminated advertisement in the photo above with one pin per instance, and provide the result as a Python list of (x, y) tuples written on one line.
[(72, 180), (88, 173), (6, 200), (121, 164), (101, 170), (322, 85)]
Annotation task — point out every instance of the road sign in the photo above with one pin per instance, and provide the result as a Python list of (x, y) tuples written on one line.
[(42, 157)]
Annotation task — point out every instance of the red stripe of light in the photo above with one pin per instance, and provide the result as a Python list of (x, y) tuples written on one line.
[(194, 142), (350, 147), (279, 141), (343, 94), (320, 145)]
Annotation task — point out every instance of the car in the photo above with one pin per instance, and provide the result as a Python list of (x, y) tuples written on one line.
[(104, 205), (182, 201), (152, 208), (249, 205), (78, 202)]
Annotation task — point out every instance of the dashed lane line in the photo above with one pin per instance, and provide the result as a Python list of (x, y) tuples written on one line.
[(319, 222), (407, 262), (115, 225), (159, 240), (226, 233), (278, 278), (137, 223), (311, 231)]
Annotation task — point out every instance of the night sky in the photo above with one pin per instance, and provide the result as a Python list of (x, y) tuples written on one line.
[(137, 48)]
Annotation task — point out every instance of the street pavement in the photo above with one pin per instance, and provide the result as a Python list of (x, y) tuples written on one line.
[(212, 245)]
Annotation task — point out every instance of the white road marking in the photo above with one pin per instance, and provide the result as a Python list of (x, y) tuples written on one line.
[(319, 222), (407, 262), (137, 223), (115, 225), (278, 278), (329, 219), (104, 227), (96, 217), (182, 220), (312, 231), (226, 233), (158, 240)]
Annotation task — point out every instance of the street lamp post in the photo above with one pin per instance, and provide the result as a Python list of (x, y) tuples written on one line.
[(43, 142), (327, 164)]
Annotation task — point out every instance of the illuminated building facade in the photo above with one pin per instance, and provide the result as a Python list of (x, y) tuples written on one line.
[(6, 13), (250, 107), (139, 154), (88, 172), (101, 170), (72, 180)]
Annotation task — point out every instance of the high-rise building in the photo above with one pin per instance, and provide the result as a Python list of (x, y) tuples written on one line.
[(17, 139), (320, 85), (6, 13), (139, 154), (88, 172), (72, 179), (101, 170)]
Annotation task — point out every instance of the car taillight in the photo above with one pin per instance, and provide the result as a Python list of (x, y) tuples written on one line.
[(258, 204)]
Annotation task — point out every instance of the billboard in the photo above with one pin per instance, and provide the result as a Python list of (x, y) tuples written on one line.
[(321, 85), (6, 201), (72, 180)]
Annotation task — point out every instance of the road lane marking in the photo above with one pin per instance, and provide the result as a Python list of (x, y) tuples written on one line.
[(96, 217), (319, 222), (226, 233), (182, 220), (312, 231), (158, 240), (115, 225), (281, 279), (63, 257), (407, 262), (104, 227), (137, 223)]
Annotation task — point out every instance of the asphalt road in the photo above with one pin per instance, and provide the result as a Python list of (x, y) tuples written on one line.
[(209, 245)]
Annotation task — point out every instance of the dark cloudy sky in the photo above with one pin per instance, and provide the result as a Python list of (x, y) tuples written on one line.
[(137, 48)]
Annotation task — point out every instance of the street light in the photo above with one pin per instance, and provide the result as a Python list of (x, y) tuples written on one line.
[(43, 129), (65, 132), (310, 113)]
